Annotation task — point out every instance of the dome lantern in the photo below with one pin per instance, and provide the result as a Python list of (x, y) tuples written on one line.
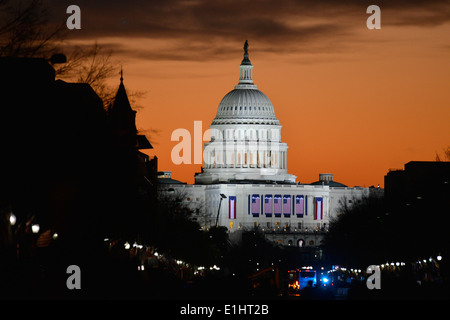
[(246, 71)]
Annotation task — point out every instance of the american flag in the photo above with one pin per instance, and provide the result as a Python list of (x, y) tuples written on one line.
[(319, 208), (299, 205), (268, 203), (255, 205), (232, 207), (287, 205), (277, 205)]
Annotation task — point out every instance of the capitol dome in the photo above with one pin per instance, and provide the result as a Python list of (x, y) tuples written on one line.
[(245, 104), (245, 145)]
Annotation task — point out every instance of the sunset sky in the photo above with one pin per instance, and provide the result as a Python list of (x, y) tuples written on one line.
[(352, 101)]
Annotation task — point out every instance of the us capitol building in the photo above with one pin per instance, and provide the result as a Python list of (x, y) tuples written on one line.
[(245, 184)]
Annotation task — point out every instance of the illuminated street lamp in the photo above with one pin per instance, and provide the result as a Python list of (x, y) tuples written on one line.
[(35, 228), (12, 219), (222, 196)]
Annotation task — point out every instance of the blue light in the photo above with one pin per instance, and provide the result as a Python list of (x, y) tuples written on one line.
[(325, 280)]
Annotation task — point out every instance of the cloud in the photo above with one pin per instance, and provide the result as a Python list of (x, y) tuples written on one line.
[(204, 29)]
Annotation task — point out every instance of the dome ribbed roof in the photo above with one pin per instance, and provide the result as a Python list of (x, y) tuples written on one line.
[(245, 106)]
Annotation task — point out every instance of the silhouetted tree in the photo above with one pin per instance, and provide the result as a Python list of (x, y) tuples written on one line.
[(25, 31), (172, 229), (446, 155), (253, 252), (361, 234)]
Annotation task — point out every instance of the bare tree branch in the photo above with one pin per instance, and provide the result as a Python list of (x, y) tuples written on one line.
[(25, 31), (93, 67), (446, 155)]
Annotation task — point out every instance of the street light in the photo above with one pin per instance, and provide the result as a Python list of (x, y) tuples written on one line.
[(12, 219), (35, 228), (222, 196)]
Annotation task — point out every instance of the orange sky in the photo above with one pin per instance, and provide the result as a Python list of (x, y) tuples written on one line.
[(354, 114), (352, 101)]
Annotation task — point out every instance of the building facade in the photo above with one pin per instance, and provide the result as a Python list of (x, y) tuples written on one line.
[(288, 214), (245, 184)]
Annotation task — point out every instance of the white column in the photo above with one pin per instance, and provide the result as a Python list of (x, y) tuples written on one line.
[(206, 160), (285, 159)]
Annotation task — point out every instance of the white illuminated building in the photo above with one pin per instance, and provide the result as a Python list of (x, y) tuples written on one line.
[(245, 174), (245, 137)]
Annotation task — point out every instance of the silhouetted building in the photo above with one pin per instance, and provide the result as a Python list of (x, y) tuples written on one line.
[(53, 138), (420, 181), (418, 200), (127, 142), (71, 175), (64, 159), (72, 168), (122, 119), (165, 177)]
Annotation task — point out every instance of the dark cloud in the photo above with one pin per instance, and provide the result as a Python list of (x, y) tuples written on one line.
[(204, 29)]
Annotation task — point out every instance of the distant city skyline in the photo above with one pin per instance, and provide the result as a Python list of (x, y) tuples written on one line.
[(353, 102)]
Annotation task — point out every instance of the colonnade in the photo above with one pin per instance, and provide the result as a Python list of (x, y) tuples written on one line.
[(242, 157)]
